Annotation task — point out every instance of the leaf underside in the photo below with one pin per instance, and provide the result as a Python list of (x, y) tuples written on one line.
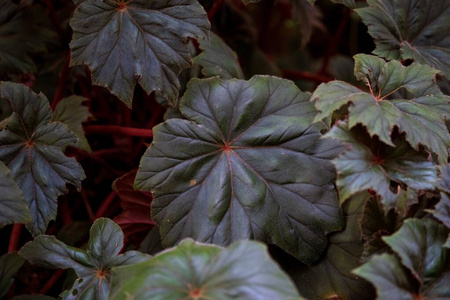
[(136, 42), (248, 164), (31, 146)]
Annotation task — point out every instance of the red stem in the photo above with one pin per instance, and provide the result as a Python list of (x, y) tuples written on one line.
[(105, 205), (89, 210), (214, 9), (335, 41), (52, 281), (293, 74), (108, 129), (62, 82), (15, 237)]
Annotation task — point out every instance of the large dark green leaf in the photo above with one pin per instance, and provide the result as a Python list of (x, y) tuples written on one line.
[(422, 118), (140, 41), (193, 270), (73, 113), (13, 208), (370, 164), (418, 244), (331, 277), (10, 263), (248, 164), (410, 29), (31, 146), (21, 35), (217, 59), (92, 266)]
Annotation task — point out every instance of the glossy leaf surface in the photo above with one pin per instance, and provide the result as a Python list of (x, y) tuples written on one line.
[(31, 146), (422, 117), (13, 208), (422, 269), (370, 164), (193, 270), (125, 43), (331, 276), (410, 29), (73, 113), (92, 266), (263, 173)]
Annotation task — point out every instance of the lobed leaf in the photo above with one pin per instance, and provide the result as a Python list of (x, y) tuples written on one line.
[(10, 263), (125, 43), (410, 29), (92, 266), (370, 164), (422, 118), (248, 163), (418, 243), (217, 59), (193, 270), (31, 146), (73, 113), (13, 208)]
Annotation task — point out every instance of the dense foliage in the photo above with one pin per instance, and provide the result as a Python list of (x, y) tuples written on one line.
[(176, 159)]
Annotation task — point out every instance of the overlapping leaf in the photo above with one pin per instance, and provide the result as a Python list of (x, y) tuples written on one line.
[(193, 270), (331, 277), (442, 210), (370, 164), (217, 59), (73, 113), (410, 29), (21, 35), (130, 42), (13, 208), (92, 266), (248, 163), (10, 263), (31, 146), (418, 245), (135, 218), (422, 118)]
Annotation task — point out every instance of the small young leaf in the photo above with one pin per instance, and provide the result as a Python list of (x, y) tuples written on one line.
[(418, 243), (370, 164), (232, 171), (21, 35), (31, 146), (92, 266), (13, 208), (73, 113), (193, 270), (217, 59), (10, 263), (410, 29), (422, 118), (130, 42)]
